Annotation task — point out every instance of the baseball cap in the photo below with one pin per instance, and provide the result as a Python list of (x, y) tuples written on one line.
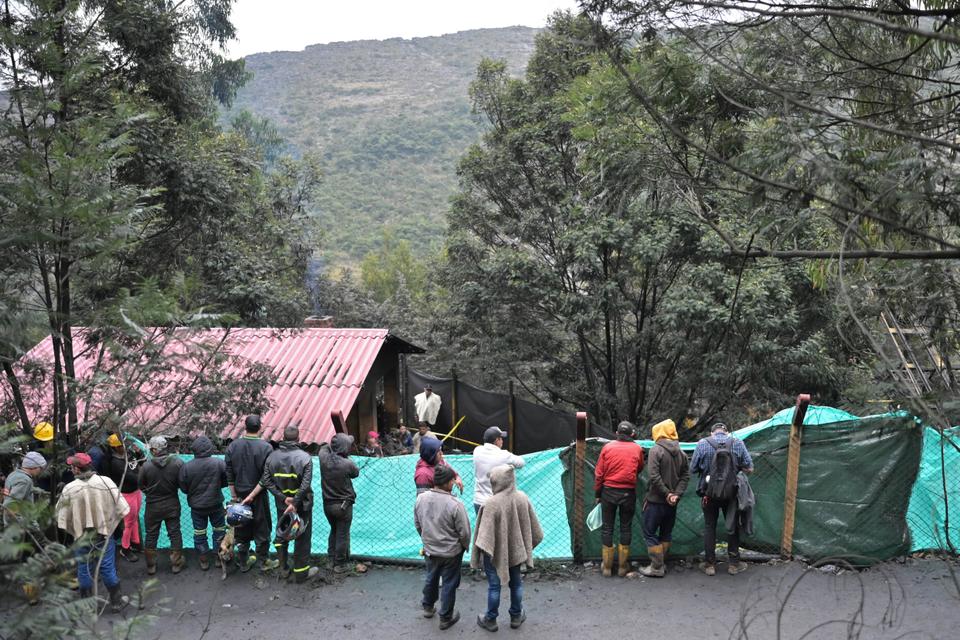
[(80, 460), (33, 460), (492, 433)]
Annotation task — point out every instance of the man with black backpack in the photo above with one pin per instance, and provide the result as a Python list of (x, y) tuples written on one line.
[(717, 459)]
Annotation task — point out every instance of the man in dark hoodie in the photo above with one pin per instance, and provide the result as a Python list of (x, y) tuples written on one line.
[(245, 459), (337, 471), (287, 475), (159, 482), (203, 480), (669, 473)]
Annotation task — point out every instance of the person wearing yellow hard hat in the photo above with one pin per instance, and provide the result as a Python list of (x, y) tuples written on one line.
[(123, 467), (43, 431)]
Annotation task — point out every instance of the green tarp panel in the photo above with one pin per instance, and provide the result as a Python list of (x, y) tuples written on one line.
[(935, 501), (854, 487), (383, 516)]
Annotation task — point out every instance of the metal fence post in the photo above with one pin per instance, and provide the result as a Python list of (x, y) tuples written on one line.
[(579, 522), (793, 474)]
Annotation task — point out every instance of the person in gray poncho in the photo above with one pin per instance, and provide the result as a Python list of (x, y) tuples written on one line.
[(507, 531)]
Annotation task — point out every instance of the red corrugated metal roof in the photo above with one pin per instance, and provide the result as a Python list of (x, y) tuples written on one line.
[(317, 371)]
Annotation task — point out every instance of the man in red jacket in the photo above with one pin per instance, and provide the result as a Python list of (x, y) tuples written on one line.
[(615, 486)]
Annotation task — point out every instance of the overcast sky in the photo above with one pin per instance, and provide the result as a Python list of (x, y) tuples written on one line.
[(291, 25)]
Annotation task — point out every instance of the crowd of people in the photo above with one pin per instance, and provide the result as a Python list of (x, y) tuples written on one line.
[(100, 501)]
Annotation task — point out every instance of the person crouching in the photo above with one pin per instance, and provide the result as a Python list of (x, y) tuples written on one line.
[(444, 528)]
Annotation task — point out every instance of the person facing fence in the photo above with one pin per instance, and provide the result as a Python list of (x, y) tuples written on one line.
[(615, 486), (487, 456), (123, 464), (337, 472), (158, 480), (203, 480), (441, 520), (92, 504), (669, 472), (287, 475), (718, 459), (245, 460), (430, 456)]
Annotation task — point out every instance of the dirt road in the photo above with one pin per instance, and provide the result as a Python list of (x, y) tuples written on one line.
[(917, 597)]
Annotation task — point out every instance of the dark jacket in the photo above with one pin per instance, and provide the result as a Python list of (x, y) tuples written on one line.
[(203, 478), (337, 471), (159, 481), (668, 470), (245, 460), (116, 465), (288, 473)]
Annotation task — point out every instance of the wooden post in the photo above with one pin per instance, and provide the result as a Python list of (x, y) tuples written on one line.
[(579, 464), (338, 422), (454, 416), (793, 474), (512, 442)]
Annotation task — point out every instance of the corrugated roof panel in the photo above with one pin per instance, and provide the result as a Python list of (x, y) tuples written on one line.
[(317, 371)]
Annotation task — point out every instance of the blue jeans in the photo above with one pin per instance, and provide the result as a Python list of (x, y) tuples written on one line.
[(216, 518), (87, 559), (493, 589), (658, 521), (442, 579)]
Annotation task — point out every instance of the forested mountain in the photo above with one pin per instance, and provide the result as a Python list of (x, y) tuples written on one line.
[(389, 118)]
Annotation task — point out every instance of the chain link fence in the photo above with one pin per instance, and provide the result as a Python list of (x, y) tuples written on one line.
[(868, 489)]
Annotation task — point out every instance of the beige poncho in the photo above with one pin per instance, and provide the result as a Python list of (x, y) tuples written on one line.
[(507, 526), (91, 503)]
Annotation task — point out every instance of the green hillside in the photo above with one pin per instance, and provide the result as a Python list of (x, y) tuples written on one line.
[(390, 118)]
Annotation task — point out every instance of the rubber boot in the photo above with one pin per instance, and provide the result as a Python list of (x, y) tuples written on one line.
[(623, 562), (607, 563), (177, 561), (666, 554), (204, 562), (86, 593), (117, 600), (150, 556), (655, 570)]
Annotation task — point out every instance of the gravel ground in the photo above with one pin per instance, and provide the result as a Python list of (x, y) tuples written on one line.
[(917, 598)]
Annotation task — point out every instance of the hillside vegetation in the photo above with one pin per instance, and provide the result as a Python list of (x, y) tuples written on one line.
[(389, 118)]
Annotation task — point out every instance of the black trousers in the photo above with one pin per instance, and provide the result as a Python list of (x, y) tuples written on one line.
[(301, 546), (614, 500), (258, 530), (340, 516), (711, 514), (168, 515)]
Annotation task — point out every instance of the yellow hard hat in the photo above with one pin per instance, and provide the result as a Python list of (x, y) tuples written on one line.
[(114, 441), (43, 431)]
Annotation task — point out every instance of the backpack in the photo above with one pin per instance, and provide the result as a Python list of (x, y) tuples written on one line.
[(721, 482)]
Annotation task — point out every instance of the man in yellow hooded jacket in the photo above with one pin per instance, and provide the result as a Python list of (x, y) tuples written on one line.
[(669, 472)]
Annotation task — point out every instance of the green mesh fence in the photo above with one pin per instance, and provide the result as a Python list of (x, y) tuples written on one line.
[(877, 486)]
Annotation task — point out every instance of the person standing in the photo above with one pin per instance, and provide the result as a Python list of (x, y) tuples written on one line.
[(441, 520), (287, 474), (159, 481), (487, 456), (507, 531), (20, 488), (427, 406), (337, 472), (669, 472), (245, 460), (123, 468), (92, 503), (717, 460), (431, 455), (615, 487), (203, 480)]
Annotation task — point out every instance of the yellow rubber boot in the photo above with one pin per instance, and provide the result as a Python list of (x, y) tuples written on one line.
[(666, 551), (607, 565), (623, 562)]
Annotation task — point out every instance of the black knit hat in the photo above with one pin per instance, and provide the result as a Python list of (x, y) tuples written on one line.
[(252, 423), (443, 474)]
